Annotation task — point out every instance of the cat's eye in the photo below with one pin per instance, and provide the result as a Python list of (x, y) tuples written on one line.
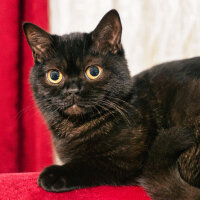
[(93, 72), (54, 76)]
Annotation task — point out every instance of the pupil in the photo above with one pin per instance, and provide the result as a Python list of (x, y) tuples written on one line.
[(94, 71), (54, 75)]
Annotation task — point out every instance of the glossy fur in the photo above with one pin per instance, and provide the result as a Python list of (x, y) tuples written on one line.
[(117, 129)]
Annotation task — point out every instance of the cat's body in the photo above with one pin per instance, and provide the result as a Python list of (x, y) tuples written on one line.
[(116, 130)]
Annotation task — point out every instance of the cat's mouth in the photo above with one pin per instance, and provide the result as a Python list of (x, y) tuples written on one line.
[(73, 109)]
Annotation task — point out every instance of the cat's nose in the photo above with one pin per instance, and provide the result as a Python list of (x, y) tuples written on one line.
[(72, 91), (73, 88)]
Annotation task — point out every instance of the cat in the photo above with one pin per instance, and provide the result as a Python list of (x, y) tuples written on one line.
[(109, 128)]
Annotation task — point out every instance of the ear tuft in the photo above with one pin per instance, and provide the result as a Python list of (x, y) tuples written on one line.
[(107, 35), (40, 42)]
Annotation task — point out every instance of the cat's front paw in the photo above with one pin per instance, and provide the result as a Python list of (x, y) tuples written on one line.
[(53, 179)]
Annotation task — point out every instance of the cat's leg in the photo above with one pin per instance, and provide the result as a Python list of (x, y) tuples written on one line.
[(77, 175), (168, 146), (189, 165), (161, 177)]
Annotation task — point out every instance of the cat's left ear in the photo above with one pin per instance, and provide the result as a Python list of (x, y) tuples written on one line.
[(107, 35), (40, 42)]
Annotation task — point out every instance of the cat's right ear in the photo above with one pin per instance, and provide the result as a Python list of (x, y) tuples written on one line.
[(40, 42)]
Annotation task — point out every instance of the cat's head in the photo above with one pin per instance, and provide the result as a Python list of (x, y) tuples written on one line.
[(79, 73)]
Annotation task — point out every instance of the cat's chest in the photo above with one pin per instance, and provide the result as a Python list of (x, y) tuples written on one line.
[(75, 129), (107, 136)]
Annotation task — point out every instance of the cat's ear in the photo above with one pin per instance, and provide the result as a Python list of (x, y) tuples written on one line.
[(40, 41), (107, 35)]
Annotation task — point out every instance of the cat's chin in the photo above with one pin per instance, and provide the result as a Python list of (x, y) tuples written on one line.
[(74, 110)]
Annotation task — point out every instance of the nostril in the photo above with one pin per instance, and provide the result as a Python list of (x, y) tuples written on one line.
[(73, 90)]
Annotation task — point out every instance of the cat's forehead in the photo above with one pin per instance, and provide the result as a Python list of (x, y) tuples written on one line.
[(76, 50), (75, 47), (75, 41)]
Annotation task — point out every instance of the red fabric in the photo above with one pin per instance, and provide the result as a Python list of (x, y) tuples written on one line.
[(23, 186), (24, 140)]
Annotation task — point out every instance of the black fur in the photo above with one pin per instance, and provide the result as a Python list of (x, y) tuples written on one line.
[(122, 130)]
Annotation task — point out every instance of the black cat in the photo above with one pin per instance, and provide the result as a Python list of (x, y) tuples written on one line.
[(109, 128)]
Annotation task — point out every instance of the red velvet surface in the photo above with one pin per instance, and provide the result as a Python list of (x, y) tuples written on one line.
[(25, 142), (23, 186)]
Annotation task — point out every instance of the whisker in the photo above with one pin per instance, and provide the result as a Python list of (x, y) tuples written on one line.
[(118, 108)]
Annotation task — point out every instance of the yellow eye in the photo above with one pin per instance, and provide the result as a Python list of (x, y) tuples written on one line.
[(54, 76), (93, 72)]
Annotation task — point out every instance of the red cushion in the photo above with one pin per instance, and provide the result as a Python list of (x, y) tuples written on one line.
[(23, 186)]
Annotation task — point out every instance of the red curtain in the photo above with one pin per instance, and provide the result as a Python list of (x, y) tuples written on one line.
[(25, 143)]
